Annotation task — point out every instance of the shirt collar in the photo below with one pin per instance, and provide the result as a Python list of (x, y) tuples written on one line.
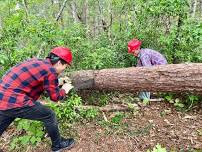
[(139, 54)]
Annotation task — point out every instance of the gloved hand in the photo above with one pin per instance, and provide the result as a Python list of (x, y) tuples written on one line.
[(64, 80), (67, 87)]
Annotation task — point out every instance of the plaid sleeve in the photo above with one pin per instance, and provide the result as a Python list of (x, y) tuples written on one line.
[(145, 61), (51, 86)]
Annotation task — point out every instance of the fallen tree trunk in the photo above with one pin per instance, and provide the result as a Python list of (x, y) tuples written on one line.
[(163, 78), (111, 108)]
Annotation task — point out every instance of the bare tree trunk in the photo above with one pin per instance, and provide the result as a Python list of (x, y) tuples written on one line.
[(1, 23), (110, 17), (164, 78), (61, 10), (104, 24), (96, 24), (193, 8), (126, 21), (9, 7), (168, 24), (177, 38), (121, 19), (53, 3), (74, 12), (25, 6), (200, 7), (110, 108), (86, 17), (85, 12)]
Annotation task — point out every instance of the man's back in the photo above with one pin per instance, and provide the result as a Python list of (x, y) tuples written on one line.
[(24, 83), (149, 57)]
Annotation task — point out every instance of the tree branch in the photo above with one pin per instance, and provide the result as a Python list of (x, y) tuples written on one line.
[(61, 10)]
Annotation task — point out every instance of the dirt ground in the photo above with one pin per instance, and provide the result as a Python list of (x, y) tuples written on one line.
[(158, 122)]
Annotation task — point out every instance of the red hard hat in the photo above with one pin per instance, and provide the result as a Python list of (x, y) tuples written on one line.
[(63, 53), (133, 44)]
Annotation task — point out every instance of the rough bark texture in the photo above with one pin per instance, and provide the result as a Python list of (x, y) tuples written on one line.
[(164, 78), (111, 108), (61, 10)]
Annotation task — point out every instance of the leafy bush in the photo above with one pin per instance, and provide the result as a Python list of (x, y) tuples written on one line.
[(117, 119), (184, 102), (32, 133), (66, 109), (89, 114)]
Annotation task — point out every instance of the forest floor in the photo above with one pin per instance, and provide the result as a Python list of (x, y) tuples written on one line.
[(157, 122)]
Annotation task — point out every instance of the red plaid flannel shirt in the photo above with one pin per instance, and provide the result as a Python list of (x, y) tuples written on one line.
[(24, 83)]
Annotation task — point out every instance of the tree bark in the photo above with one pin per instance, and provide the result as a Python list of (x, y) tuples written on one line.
[(74, 12), (200, 7), (111, 107), (103, 23), (193, 8), (84, 15), (61, 10), (163, 78), (26, 7)]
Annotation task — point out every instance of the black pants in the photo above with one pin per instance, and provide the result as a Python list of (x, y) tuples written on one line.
[(37, 112)]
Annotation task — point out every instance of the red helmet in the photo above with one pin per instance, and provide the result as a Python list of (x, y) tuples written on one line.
[(63, 53), (134, 44)]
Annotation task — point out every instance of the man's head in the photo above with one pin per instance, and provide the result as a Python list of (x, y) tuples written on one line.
[(134, 47), (60, 58)]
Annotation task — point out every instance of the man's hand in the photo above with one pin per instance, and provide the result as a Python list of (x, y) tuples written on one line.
[(64, 80), (67, 87)]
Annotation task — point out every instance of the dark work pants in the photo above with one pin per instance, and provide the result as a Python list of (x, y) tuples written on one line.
[(37, 112)]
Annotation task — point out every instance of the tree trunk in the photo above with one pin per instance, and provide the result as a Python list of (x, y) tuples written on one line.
[(193, 8), (163, 78), (200, 7), (61, 10), (26, 7), (177, 39), (74, 12), (84, 14)]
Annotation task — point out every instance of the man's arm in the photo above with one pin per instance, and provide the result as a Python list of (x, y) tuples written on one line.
[(52, 88), (146, 61)]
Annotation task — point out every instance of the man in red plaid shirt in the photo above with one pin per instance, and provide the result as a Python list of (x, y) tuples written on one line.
[(23, 84)]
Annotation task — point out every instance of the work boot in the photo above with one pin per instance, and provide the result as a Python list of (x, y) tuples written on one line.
[(65, 144)]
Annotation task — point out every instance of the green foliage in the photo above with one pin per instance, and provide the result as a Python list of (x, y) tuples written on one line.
[(167, 7), (146, 101), (99, 58), (192, 100), (185, 102), (158, 148), (32, 133), (23, 36), (163, 25), (176, 101), (22, 39), (98, 98), (115, 125), (117, 119), (89, 114), (66, 109)]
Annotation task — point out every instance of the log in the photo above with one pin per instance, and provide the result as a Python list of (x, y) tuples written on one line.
[(163, 78), (111, 108)]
